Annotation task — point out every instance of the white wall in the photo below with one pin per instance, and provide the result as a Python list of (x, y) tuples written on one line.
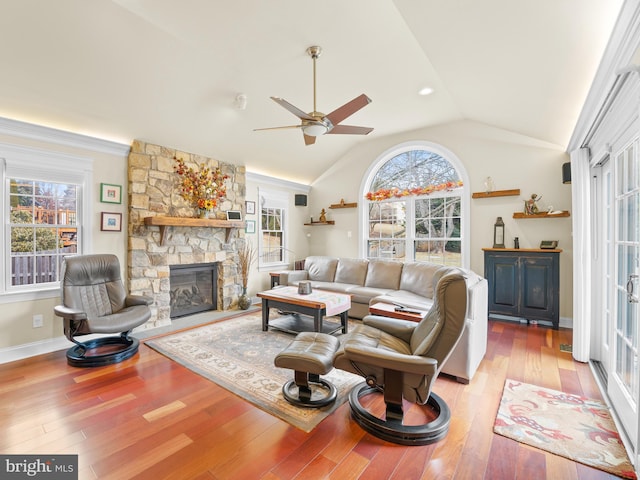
[(512, 160)]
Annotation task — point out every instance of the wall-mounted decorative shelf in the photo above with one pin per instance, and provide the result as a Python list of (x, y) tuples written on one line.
[(563, 213), (497, 193), (313, 224), (163, 222), (342, 204)]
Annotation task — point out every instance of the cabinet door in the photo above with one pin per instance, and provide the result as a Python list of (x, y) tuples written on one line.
[(504, 283), (539, 287)]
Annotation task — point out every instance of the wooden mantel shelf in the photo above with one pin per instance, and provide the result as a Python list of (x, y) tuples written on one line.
[(163, 222)]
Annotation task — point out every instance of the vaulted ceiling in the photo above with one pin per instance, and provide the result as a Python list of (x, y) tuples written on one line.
[(168, 71)]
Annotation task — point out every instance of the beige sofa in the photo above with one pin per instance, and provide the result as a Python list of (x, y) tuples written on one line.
[(404, 283)]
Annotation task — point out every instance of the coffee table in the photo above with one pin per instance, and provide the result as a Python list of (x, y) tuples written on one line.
[(305, 312), (389, 310)]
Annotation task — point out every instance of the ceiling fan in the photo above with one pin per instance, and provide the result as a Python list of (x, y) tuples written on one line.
[(314, 124)]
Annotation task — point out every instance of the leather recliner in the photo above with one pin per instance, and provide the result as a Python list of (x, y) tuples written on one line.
[(94, 300), (402, 360)]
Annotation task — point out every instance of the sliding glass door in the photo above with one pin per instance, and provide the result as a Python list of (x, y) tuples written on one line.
[(623, 376)]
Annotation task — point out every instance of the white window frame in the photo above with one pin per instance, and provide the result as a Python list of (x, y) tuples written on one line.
[(41, 165), (462, 192), (273, 199)]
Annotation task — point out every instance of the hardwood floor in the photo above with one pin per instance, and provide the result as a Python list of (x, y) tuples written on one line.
[(150, 418)]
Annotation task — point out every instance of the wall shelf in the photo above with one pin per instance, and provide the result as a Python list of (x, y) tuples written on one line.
[(313, 224), (163, 222), (564, 213), (497, 193), (342, 204)]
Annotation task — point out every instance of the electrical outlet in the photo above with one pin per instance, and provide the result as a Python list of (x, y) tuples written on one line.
[(38, 321)]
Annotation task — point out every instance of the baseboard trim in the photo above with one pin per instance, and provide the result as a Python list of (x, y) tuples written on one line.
[(564, 322), (20, 352), (26, 350)]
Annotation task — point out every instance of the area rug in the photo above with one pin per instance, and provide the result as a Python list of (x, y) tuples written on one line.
[(237, 355), (571, 426)]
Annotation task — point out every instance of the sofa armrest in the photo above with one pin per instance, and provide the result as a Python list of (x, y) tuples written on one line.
[(289, 277), (478, 301)]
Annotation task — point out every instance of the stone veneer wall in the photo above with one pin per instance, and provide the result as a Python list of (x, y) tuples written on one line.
[(153, 191)]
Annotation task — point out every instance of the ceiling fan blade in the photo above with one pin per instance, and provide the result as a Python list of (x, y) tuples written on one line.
[(348, 109), (350, 130), (277, 128), (293, 109), (309, 140)]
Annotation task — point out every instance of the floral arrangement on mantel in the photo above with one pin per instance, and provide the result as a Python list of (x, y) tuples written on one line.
[(201, 188), (387, 193)]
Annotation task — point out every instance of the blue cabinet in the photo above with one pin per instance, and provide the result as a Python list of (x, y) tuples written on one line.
[(524, 283)]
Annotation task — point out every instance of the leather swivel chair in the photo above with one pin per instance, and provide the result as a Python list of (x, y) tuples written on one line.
[(402, 359), (94, 300)]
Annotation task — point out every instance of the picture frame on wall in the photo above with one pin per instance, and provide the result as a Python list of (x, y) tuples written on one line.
[(111, 222), (250, 207), (110, 193), (250, 226)]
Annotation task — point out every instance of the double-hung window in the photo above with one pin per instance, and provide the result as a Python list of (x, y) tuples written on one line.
[(43, 197), (272, 232)]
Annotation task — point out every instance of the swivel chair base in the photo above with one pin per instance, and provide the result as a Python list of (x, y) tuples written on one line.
[(392, 429), (303, 398), (116, 349)]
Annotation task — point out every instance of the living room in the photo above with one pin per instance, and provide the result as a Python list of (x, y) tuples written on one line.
[(514, 152)]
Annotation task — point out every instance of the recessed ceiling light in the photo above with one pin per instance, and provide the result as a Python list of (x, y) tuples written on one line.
[(425, 91)]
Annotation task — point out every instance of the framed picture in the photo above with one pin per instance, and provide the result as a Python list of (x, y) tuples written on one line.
[(250, 226), (234, 215), (111, 222), (110, 193), (250, 207)]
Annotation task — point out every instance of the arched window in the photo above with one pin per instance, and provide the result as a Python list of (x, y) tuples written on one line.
[(414, 206)]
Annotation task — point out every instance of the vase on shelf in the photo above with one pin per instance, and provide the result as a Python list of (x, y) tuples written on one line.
[(244, 301), (489, 186), (203, 213)]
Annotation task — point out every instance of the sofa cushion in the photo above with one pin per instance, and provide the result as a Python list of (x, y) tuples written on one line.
[(352, 270), (333, 286), (365, 294), (383, 274), (321, 269), (417, 277)]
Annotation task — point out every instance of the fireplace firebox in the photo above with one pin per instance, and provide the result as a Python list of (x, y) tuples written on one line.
[(193, 288)]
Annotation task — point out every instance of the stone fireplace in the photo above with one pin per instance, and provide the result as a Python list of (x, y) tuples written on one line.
[(153, 250)]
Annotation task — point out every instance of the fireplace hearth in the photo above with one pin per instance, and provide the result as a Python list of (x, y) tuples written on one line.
[(193, 288)]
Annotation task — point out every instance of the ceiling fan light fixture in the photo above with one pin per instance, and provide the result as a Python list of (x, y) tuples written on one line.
[(315, 130), (315, 124)]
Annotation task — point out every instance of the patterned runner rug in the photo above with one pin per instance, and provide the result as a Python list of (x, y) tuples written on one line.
[(572, 426), (237, 355)]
